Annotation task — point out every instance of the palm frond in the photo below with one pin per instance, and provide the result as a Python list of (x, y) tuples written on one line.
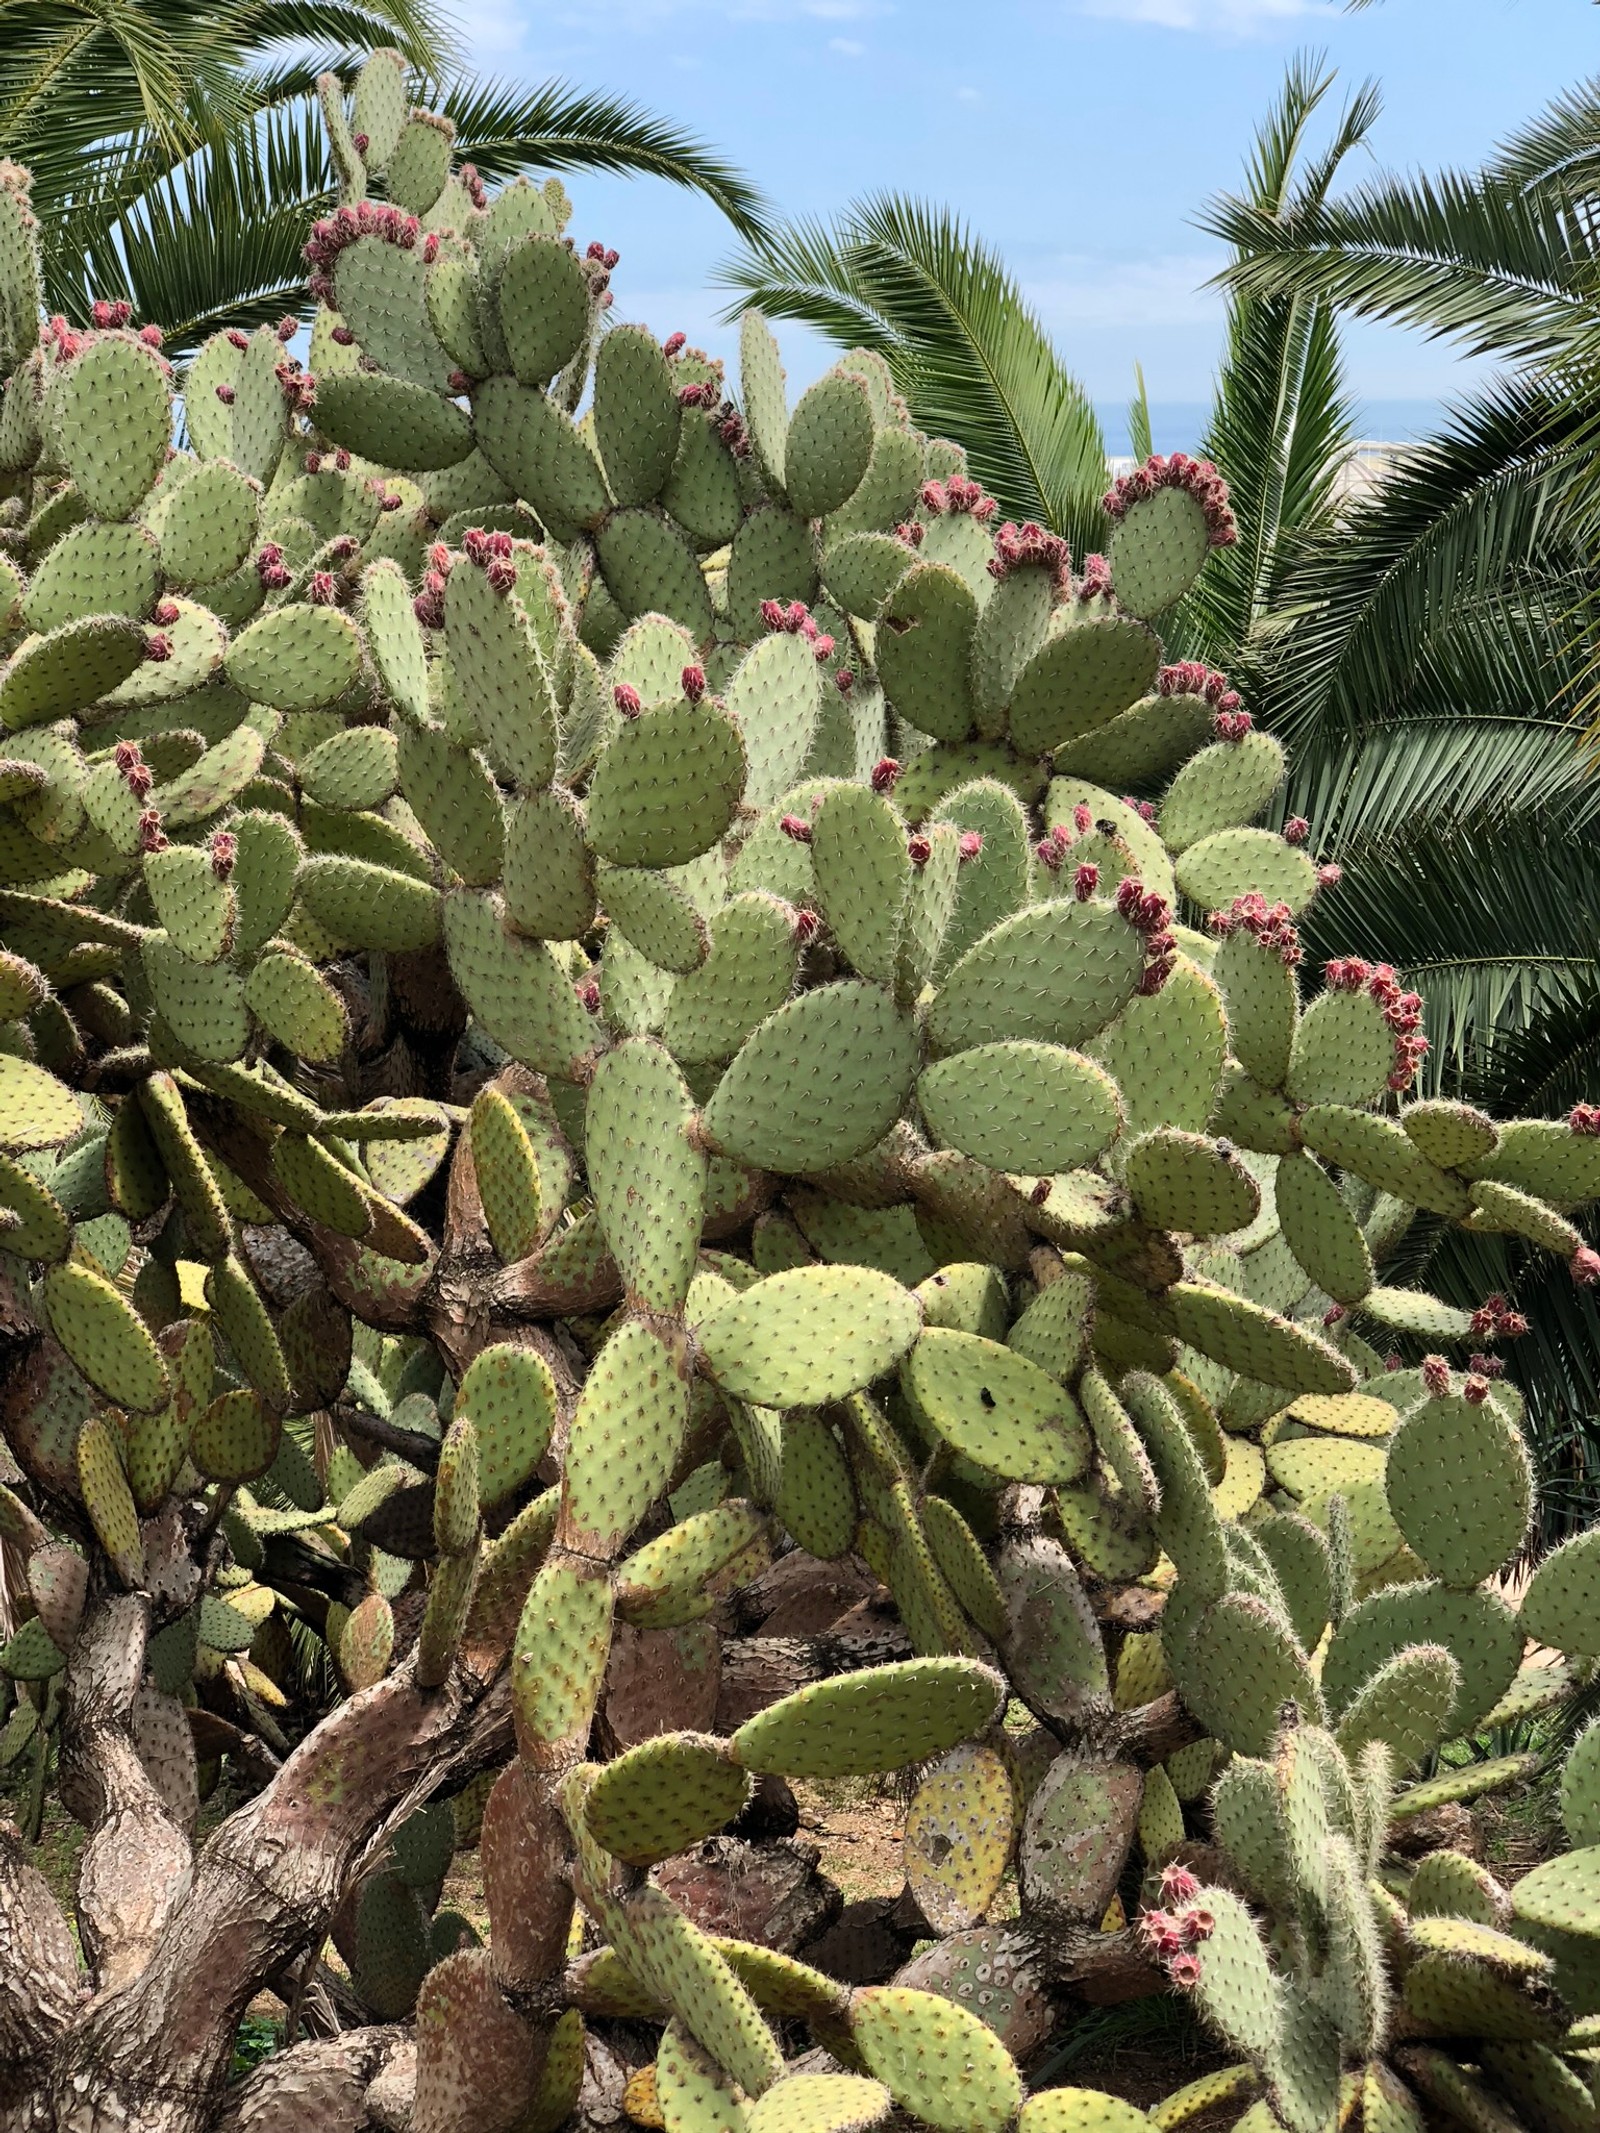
[(505, 129), (970, 355)]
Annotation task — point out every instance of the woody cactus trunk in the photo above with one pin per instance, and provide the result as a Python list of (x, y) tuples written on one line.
[(628, 1177)]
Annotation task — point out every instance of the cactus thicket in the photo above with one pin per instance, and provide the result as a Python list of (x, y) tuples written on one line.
[(658, 1136)]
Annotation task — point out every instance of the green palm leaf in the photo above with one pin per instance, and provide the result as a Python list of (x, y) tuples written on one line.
[(969, 354)]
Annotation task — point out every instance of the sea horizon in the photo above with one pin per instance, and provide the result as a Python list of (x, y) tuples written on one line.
[(1178, 425)]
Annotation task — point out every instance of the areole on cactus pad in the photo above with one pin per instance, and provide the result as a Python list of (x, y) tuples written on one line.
[(658, 1134)]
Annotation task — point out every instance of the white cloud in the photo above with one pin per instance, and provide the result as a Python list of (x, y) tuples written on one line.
[(968, 95), (1082, 293), (846, 47), (1220, 18)]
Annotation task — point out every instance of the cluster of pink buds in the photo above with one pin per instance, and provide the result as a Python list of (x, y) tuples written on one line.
[(729, 424), (1198, 476), (1051, 850), (110, 314), (603, 255), (1584, 1118), (152, 837), (674, 344), (911, 533), (1095, 583), (1494, 1320), (136, 772), (1017, 547), (1436, 1375), (797, 827), (492, 554), (1144, 809), (224, 849), (795, 621), (958, 497), (60, 339), (693, 683), (1149, 913), (1272, 925), (1296, 830), (701, 394), (298, 386), (322, 589), (1486, 1366), (627, 699), (1584, 1266), (335, 233), (388, 499), (1172, 1935), (473, 186), (1192, 677), (1231, 725), (885, 775), (271, 569), (806, 926)]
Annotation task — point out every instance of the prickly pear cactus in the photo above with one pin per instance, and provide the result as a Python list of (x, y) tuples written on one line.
[(660, 1133)]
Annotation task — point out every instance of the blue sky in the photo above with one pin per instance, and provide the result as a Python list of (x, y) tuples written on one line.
[(1078, 136)]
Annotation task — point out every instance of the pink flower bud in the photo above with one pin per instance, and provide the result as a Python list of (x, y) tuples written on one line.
[(822, 648), (313, 462), (1040, 1191), (885, 772), (1584, 1118), (772, 614), (1475, 1391), (844, 681), (361, 143), (1436, 1375), (1196, 1925), (1329, 877), (1178, 1885), (322, 590), (1585, 1267), (1296, 830), (502, 575), (139, 779), (589, 994), (166, 613), (224, 851), (1048, 853), (158, 646), (806, 924), (1185, 1971), (627, 700), (674, 345), (1335, 1315), (919, 849), (970, 846), (796, 827), (693, 683), (238, 340), (126, 756), (152, 336), (227, 395), (342, 337), (341, 461), (1085, 881), (152, 838)]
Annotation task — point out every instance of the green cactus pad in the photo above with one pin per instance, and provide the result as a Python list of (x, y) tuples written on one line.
[(996, 1407), (500, 673), (1053, 1645), (960, 1826), (112, 413), (820, 2103), (1186, 1520), (861, 570), (747, 976), (61, 673), (1234, 861), (1407, 1704), (702, 491), (353, 769), (1091, 667), (1220, 788), (36, 1110), (1055, 974), (104, 1337), (636, 413), (1257, 1343), (298, 1006), (964, 1565), (879, 1719), (558, 1660), (107, 1499), (543, 306), (684, 1968), (1021, 1106), (1343, 1051), (1241, 1666), (924, 650), (1318, 1227), (1382, 1153), (810, 1335), (1157, 550), (1262, 1000), (666, 787), (42, 1229), (663, 1796), (196, 908), (380, 290), (1475, 1627), (625, 1439), (671, 1579), (1184, 1181), (516, 988), (650, 569), (393, 422), (296, 658), (95, 570), (648, 1178), (1460, 1487), (818, 1083), (510, 1398), (242, 1320), (829, 444), (234, 1438), (1054, 1333), (1561, 1606), (939, 2062)]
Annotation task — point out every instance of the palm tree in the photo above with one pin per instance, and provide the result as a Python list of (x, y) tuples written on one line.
[(178, 155)]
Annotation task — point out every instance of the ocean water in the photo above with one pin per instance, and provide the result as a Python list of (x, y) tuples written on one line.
[(1178, 425)]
